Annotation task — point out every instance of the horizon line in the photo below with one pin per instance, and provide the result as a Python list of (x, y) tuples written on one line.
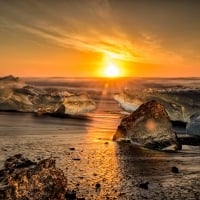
[(101, 77)]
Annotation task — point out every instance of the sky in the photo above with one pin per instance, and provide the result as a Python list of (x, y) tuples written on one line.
[(80, 38)]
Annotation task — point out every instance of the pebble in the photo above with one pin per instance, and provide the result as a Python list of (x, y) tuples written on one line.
[(106, 143), (76, 159), (70, 195), (72, 149), (175, 170), (98, 187), (144, 185)]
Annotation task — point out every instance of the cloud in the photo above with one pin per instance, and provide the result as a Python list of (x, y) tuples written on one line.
[(86, 25)]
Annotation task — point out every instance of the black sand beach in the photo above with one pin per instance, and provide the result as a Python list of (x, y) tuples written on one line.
[(95, 166)]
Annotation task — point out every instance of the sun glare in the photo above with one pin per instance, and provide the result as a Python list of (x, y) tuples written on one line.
[(112, 70)]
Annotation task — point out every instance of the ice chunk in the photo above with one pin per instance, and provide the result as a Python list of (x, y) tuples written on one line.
[(10, 100), (18, 96), (11, 81), (193, 126), (149, 126), (78, 104), (71, 105), (178, 103), (127, 103)]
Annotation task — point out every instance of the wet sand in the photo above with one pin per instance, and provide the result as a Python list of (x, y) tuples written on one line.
[(119, 168), (84, 150)]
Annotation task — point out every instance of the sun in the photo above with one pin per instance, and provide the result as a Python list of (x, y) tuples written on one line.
[(112, 70)]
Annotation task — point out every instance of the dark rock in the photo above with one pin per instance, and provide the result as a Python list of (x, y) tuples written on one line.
[(187, 139), (77, 159), (98, 187), (121, 194), (149, 126), (23, 179), (144, 185), (70, 195), (18, 161), (175, 170), (72, 148), (178, 146), (60, 110)]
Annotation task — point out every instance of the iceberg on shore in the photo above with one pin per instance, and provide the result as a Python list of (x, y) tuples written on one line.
[(15, 95), (193, 126), (70, 105), (180, 104), (148, 126)]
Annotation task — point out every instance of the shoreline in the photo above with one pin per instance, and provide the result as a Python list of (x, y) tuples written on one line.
[(120, 168)]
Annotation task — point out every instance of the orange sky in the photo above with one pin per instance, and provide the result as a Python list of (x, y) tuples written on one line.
[(79, 38)]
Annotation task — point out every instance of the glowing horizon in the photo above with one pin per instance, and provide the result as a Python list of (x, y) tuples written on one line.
[(72, 39)]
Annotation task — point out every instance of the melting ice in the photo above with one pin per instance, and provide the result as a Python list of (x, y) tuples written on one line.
[(15, 95), (180, 103)]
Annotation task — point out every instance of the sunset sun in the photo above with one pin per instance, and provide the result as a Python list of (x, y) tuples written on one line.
[(112, 70)]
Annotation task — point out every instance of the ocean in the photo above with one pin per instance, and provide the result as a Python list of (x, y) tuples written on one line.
[(119, 168)]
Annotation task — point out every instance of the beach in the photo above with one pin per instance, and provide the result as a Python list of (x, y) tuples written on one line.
[(83, 148)]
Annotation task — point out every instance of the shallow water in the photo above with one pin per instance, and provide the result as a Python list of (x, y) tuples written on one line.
[(118, 167)]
